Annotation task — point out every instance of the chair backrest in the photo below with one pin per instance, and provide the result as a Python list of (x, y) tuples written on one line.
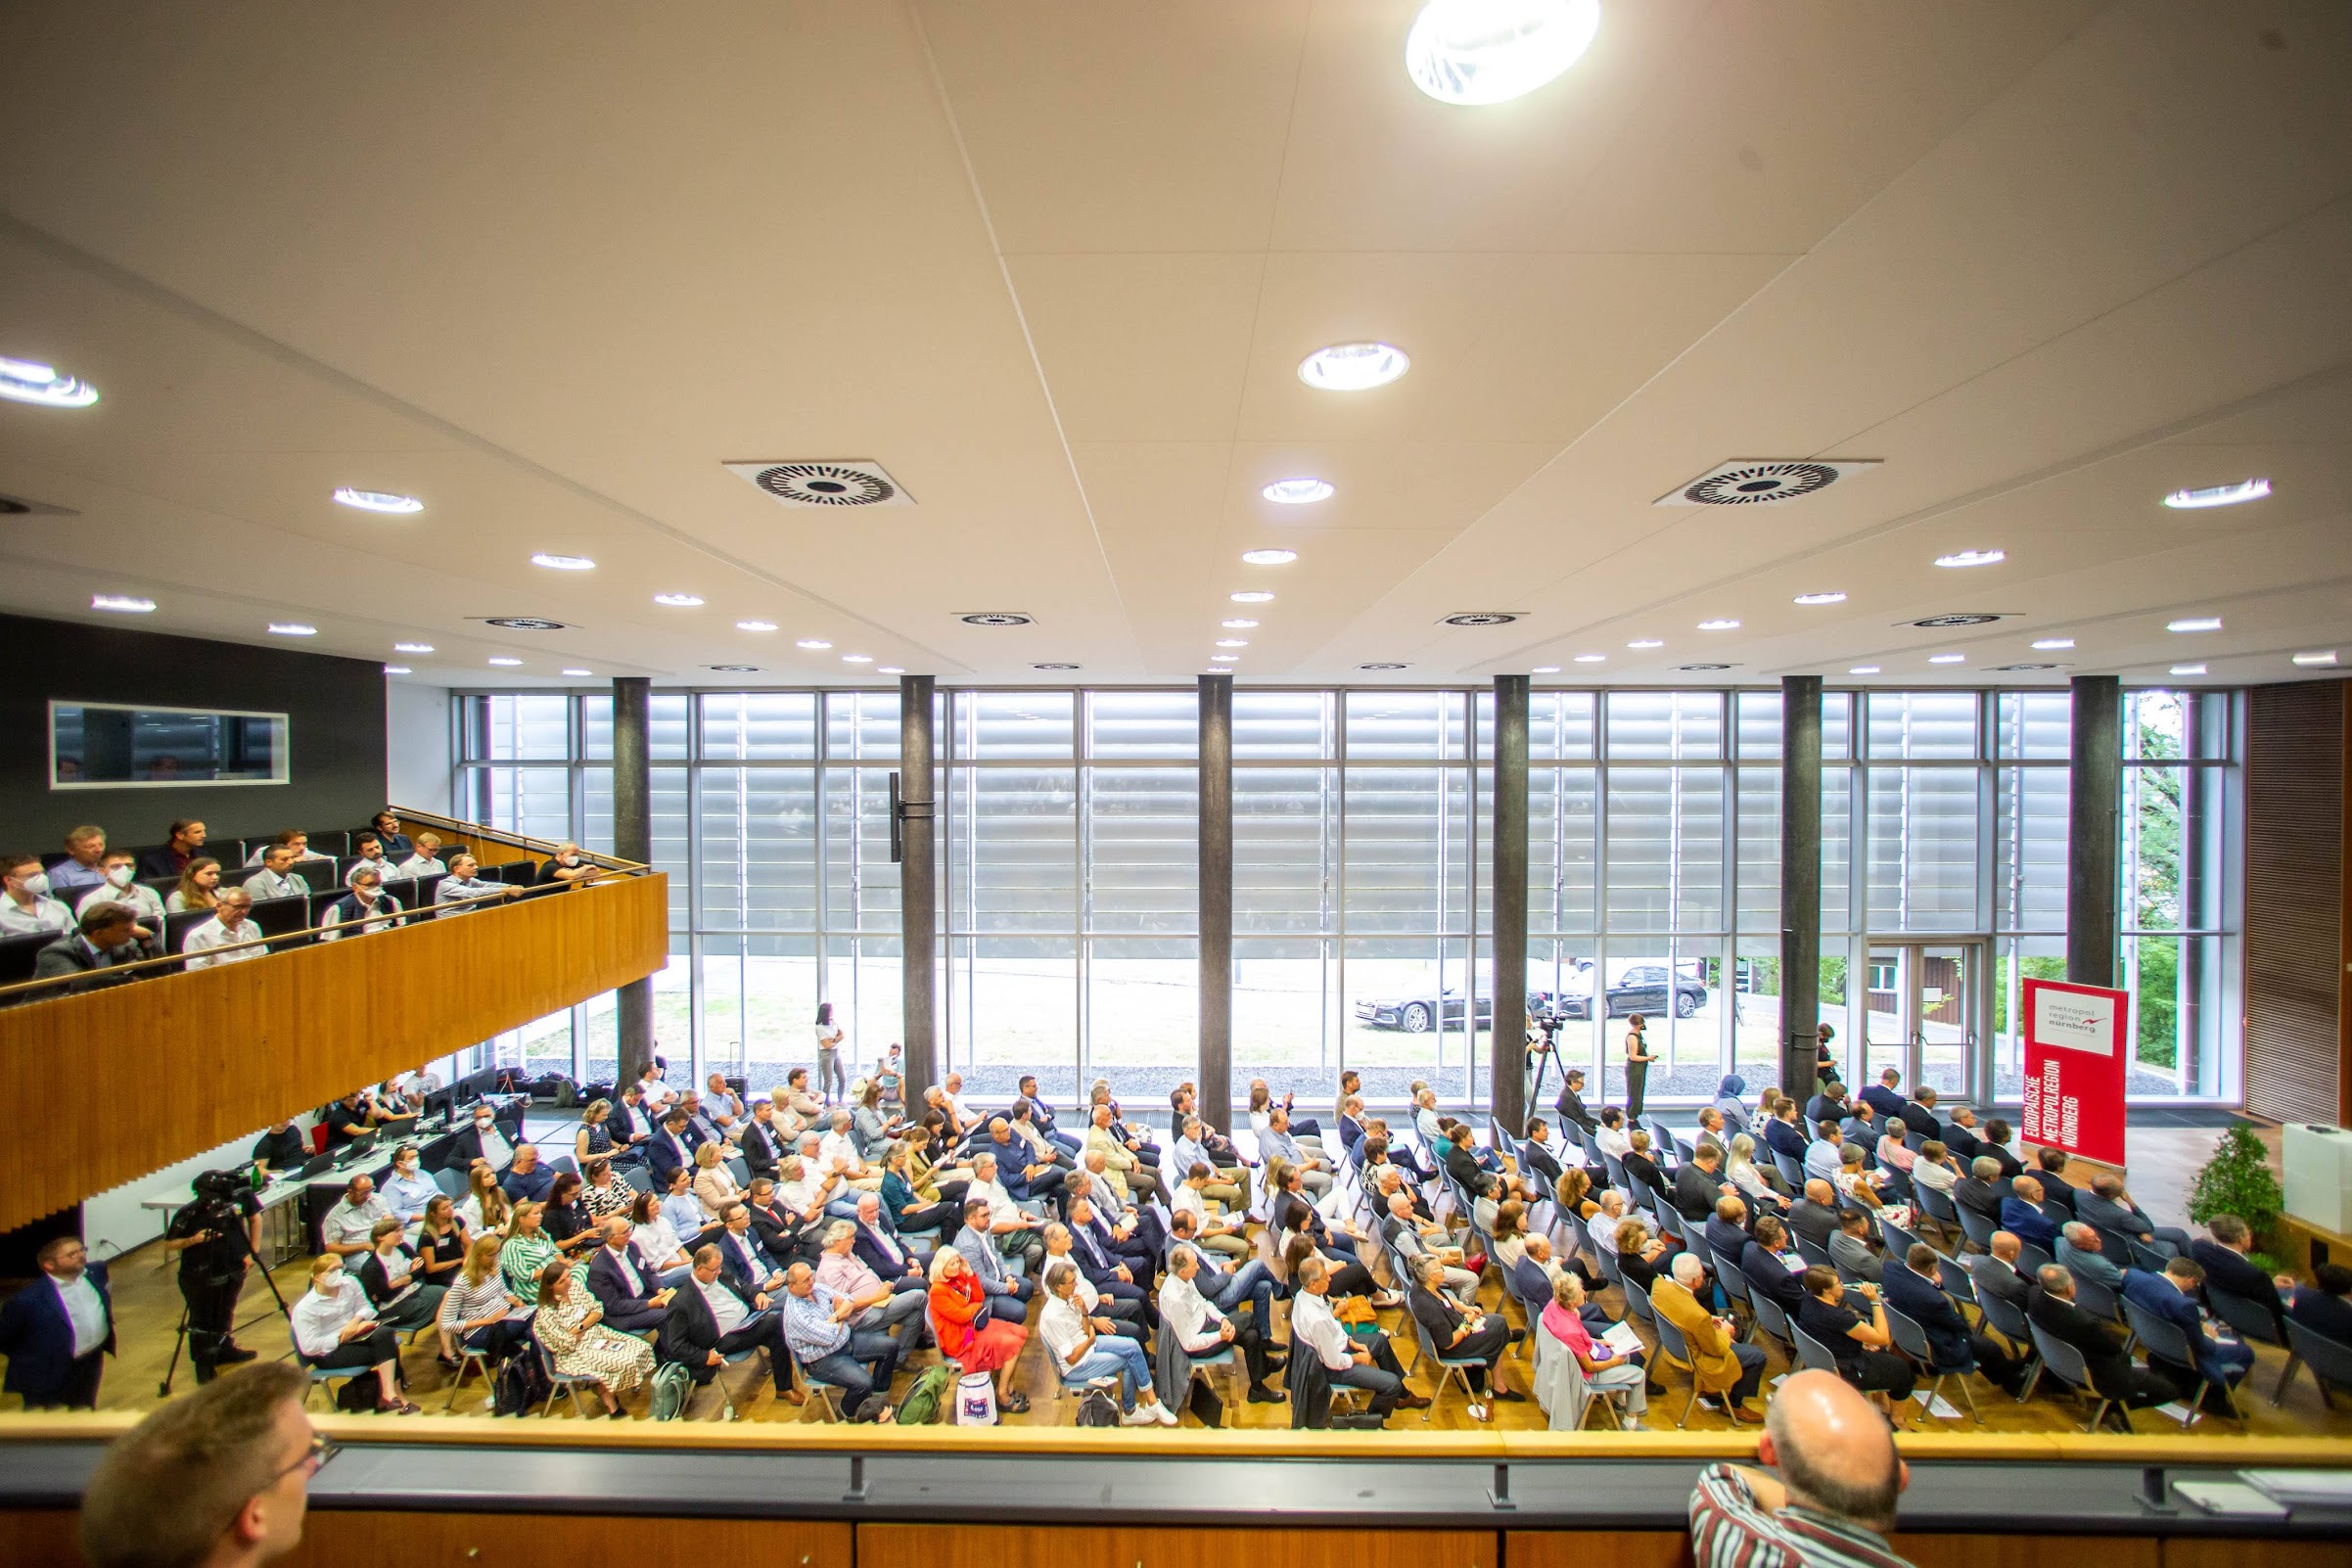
[(2330, 1360), (1637, 1301), (1910, 1336), (1790, 1170), (1976, 1226), (1813, 1353), (2094, 1297), (2060, 1357), (1813, 1253), (2248, 1316), (2032, 1259), (1899, 1241), (1734, 1283), (1671, 1343), (1934, 1204), (1769, 1316), (1608, 1259), (2006, 1315), (2115, 1245), (1616, 1168), (1953, 1275), (2162, 1339)]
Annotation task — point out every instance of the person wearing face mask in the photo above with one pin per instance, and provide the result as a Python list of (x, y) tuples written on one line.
[(107, 936), (567, 866), (27, 907), (483, 1141), (122, 870), (366, 908), (407, 1189), (335, 1329)]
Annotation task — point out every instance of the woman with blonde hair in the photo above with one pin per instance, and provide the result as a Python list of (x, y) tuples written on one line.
[(528, 1250), (968, 1333), (715, 1185), (570, 1325), (1740, 1170), (484, 1211), (594, 1139), (479, 1312)]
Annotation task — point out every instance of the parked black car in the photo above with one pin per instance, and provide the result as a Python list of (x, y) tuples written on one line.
[(1418, 1015), (1642, 988)]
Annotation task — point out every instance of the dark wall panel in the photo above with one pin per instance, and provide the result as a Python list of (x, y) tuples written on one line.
[(336, 732), (2294, 891)]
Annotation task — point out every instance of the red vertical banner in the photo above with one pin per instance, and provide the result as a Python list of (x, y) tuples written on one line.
[(2074, 1068)]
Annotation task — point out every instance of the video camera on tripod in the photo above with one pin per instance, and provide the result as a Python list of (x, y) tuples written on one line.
[(216, 1249)]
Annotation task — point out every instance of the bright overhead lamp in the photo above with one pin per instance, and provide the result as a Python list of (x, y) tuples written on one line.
[(813, 644), (580, 671), (1224, 659), (395, 670), (505, 664), (1251, 596), (2188, 670), (1478, 52), (888, 670), (1820, 598), (27, 381), (678, 601), (1591, 658), (563, 563), (1972, 558), (857, 659), (412, 647), (1298, 492), (1270, 557), (128, 603), (292, 628), (2194, 623), (1719, 626), (1946, 658), (377, 501), (1544, 670), (2253, 490), (1864, 669), (1232, 642), (2054, 644), (2316, 661), (1353, 366), (1645, 642), (754, 625), (1238, 625)]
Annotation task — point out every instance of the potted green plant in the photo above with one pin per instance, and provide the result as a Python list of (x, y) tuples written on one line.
[(2238, 1180)]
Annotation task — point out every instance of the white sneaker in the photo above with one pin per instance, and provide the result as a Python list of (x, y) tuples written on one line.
[(1162, 1415), (1140, 1415)]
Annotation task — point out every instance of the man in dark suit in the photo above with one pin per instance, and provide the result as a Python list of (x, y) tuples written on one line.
[(780, 1230), (2051, 1306), (2325, 1308), (1571, 1103), (1726, 1234), (672, 1147), (693, 1336), (624, 1281), (1979, 1191), (2224, 1259), (58, 1331), (1765, 1261), (1782, 1133), (2109, 1206), (2052, 1174), (1913, 1291), (1882, 1096), (1540, 1154), (1959, 1135), (762, 1140), (1996, 1273), (1698, 1183), (1814, 1214), (185, 843), (747, 1268), (1828, 1104), (1105, 1270), (2022, 1214), (481, 1139), (878, 1246), (2172, 1296), (1995, 1145), (1920, 1116)]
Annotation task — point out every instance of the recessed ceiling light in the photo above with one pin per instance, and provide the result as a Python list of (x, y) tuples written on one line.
[(2194, 623), (1946, 658), (1238, 623), (1384, 667), (857, 659), (756, 625), (813, 644), (1970, 558), (678, 601), (2316, 661), (1820, 598), (377, 500), (1719, 626), (1702, 666), (1353, 366), (1251, 596), (2188, 670), (1053, 666), (1864, 669), (734, 669), (888, 669), (524, 624), (292, 628), (1298, 492), (1224, 659), (2054, 644), (27, 380), (579, 671), (1270, 557), (1482, 617), (996, 617), (2253, 490), (505, 662), (395, 670), (1232, 642), (1479, 52), (412, 647), (1591, 658), (129, 603), (563, 563), (2003, 669), (1645, 642), (1544, 670)]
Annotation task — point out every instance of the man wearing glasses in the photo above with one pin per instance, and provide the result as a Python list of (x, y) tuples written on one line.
[(236, 1457)]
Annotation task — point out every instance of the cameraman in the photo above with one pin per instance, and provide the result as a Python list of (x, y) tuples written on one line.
[(211, 1236)]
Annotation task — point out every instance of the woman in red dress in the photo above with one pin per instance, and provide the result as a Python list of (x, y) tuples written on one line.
[(967, 1332)]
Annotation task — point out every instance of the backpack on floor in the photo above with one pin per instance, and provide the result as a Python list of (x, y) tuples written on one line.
[(522, 1383), (357, 1396), (1096, 1408), (925, 1403), (670, 1388)]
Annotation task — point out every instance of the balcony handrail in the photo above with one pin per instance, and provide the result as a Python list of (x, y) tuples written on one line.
[(512, 839)]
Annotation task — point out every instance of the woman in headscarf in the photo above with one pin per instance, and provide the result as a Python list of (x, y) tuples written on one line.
[(1727, 1101)]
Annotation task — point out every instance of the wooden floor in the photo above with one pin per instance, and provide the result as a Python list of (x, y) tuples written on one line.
[(2163, 1163)]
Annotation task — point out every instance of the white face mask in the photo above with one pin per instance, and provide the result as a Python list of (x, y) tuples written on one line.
[(331, 1281), (36, 885), (568, 859), (121, 875), (366, 895)]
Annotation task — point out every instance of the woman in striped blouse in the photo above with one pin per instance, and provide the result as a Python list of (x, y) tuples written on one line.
[(479, 1312)]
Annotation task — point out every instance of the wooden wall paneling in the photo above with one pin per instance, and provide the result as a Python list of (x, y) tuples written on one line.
[(1592, 1548), (2014, 1550), (884, 1546), (334, 1539), (190, 1061), (2297, 1026), (2223, 1551), (39, 1535)]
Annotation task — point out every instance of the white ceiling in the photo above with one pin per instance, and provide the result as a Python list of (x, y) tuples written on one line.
[(1052, 263)]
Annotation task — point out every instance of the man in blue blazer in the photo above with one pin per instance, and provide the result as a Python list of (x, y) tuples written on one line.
[(1913, 1292), (877, 1244), (671, 1149), (58, 1331), (2172, 1296), (748, 1267), (1882, 1096), (624, 1281)]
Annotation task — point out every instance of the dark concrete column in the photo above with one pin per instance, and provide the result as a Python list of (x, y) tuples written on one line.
[(632, 840), (2094, 848), (1217, 901), (1506, 1044), (1800, 881), (918, 885)]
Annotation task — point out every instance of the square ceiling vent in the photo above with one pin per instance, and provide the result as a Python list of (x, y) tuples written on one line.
[(1764, 481), (846, 482)]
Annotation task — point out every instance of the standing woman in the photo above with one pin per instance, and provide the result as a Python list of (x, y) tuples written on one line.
[(199, 888), (829, 1035), (1637, 1058)]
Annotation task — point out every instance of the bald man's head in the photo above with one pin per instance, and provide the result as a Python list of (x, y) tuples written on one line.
[(1833, 1451), (1820, 1193)]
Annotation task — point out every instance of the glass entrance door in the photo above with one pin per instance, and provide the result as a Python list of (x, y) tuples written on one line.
[(1920, 1012)]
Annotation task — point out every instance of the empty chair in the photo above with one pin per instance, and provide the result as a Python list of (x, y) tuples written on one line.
[(2330, 1362), (1813, 1253), (1790, 1170), (1812, 1354), (1771, 1320), (1977, 1227)]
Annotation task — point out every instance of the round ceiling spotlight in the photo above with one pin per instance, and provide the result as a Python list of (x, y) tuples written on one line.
[(1478, 52), (1719, 626), (1544, 670), (377, 501), (1224, 659), (1298, 492), (1820, 598), (524, 624), (1971, 618), (1270, 557), (2316, 661), (1251, 596), (580, 671), (127, 602), (27, 381), (1353, 366), (1946, 658), (2253, 490), (1238, 625), (397, 669), (754, 625), (1053, 666), (1232, 642), (678, 601), (996, 617), (857, 659), (1972, 558), (888, 669), (1482, 618), (292, 628), (2187, 669), (734, 669), (412, 647), (1384, 665), (1591, 658), (563, 563)]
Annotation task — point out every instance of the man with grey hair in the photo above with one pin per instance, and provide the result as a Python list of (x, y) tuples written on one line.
[(365, 908), (874, 1303), (1832, 1503), (1981, 1190), (2078, 1250), (1403, 1231)]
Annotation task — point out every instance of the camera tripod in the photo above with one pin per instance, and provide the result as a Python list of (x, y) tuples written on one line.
[(245, 1241)]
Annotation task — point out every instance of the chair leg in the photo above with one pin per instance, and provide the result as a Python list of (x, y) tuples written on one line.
[(2286, 1375), (1969, 1394), (457, 1383), (1688, 1404), (2033, 1379)]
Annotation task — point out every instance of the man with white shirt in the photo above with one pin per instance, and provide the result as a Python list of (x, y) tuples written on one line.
[(349, 1230), (1613, 1139), (277, 878), (878, 1303), (1316, 1330), (837, 1150), (365, 908), (407, 1189), (709, 1320), (457, 893), (122, 885), (369, 856), (1014, 1230), (1191, 1197), (58, 1331), (1086, 1346), (1203, 1330), (424, 859), (1125, 1312), (27, 907), (229, 928), (1315, 1172)]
